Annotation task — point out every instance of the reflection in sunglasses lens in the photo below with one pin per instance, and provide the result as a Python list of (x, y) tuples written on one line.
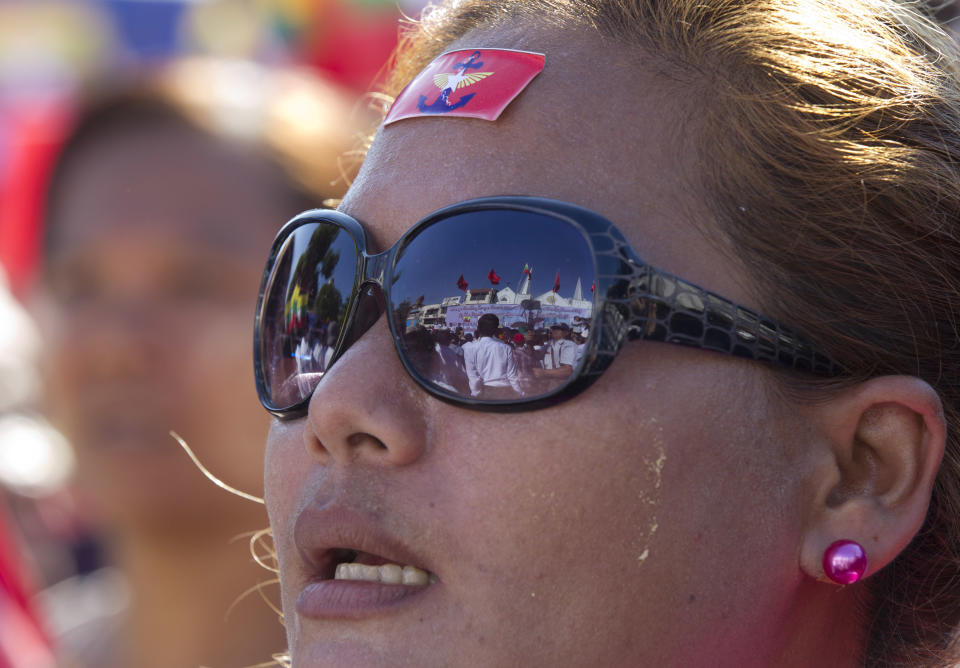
[(304, 309), (494, 305)]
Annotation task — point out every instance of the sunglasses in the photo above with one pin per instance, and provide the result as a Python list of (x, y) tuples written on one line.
[(557, 290)]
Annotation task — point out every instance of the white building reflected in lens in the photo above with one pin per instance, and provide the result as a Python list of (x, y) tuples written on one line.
[(512, 307)]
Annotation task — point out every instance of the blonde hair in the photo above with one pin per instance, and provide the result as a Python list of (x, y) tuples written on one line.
[(828, 136)]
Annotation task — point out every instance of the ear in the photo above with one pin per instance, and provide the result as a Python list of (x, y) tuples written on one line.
[(884, 441)]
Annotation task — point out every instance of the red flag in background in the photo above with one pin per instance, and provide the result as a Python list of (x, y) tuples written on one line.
[(493, 277), (462, 284), (593, 286), (556, 283)]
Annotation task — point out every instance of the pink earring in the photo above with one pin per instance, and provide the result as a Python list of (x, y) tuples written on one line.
[(845, 562)]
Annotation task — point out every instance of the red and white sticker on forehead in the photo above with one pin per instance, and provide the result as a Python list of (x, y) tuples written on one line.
[(475, 83)]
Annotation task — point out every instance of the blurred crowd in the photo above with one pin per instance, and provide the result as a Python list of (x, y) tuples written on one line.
[(148, 153)]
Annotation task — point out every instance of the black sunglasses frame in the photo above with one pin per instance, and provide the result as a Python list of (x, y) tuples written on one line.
[(632, 300)]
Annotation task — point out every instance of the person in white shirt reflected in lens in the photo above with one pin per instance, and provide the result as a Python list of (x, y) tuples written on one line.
[(490, 363)]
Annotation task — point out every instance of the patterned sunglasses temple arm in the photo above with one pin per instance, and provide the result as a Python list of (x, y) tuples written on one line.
[(642, 302)]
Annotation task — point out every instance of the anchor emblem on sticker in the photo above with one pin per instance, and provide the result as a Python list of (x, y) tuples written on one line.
[(505, 74), (447, 83)]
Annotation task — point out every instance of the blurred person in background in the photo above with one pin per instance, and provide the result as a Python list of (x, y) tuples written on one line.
[(25, 444), (158, 209)]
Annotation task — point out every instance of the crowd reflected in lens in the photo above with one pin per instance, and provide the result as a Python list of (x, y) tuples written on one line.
[(497, 361), (304, 310)]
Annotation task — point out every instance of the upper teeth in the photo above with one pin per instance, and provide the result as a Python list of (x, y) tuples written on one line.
[(387, 573)]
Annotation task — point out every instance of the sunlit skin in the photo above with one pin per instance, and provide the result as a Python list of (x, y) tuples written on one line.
[(553, 539), (156, 250)]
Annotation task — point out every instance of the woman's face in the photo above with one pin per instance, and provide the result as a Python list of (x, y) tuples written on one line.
[(156, 252), (649, 521)]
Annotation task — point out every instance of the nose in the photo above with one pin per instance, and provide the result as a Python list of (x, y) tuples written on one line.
[(367, 409)]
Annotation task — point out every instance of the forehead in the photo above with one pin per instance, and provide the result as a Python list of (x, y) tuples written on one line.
[(166, 179), (598, 127)]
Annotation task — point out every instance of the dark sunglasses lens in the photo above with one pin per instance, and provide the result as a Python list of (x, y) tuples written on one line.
[(303, 310), (494, 305)]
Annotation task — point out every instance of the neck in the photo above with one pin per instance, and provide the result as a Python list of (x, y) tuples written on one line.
[(182, 588)]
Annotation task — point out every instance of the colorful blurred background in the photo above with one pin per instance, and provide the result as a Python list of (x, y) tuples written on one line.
[(51, 50), (205, 124)]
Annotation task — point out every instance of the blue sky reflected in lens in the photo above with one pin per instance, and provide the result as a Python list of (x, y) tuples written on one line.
[(472, 244)]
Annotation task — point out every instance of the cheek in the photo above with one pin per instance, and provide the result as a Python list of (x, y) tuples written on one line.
[(608, 518), (286, 468), (577, 485), (211, 368), (215, 350), (62, 372), (556, 525)]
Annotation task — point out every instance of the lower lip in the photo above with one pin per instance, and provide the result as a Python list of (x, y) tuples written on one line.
[(327, 599)]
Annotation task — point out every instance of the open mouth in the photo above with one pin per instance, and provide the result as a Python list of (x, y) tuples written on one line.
[(346, 564)]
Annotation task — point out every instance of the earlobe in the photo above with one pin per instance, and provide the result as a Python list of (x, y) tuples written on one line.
[(884, 441)]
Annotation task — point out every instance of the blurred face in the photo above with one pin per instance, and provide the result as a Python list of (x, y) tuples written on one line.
[(157, 248), (622, 527)]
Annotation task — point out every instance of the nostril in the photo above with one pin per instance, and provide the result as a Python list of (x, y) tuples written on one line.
[(315, 447), (361, 438)]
